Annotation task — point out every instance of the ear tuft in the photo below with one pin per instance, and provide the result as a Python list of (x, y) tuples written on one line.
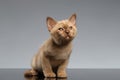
[(72, 19), (50, 23)]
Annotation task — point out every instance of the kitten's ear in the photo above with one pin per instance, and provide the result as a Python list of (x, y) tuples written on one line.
[(50, 23), (72, 19)]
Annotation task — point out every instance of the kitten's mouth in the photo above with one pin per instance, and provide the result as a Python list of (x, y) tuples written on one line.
[(67, 37)]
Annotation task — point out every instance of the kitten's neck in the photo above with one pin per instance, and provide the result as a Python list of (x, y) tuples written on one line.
[(59, 42)]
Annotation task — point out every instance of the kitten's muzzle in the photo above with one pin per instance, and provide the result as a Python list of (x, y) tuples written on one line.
[(67, 32)]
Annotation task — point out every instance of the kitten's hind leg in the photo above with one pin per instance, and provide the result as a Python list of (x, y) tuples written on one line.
[(34, 72), (30, 73)]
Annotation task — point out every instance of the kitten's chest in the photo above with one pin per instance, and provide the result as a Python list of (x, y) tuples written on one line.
[(59, 53)]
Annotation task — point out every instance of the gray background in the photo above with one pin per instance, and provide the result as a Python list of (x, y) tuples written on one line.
[(23, 29)]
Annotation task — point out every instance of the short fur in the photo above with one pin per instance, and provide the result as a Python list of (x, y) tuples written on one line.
[(53, 56)]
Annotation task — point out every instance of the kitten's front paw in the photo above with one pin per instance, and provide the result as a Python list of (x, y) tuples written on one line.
[(48, 75), (62, 74)]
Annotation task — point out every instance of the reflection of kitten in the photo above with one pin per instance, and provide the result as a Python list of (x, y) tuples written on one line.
[(38, 78), (53, 56)]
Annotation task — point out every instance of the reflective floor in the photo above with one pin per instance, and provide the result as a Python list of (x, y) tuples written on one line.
[(73, 74)]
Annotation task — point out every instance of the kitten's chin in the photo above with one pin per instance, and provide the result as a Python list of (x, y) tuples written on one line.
[(68, 38)]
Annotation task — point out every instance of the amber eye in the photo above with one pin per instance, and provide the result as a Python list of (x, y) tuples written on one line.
[(60, 29), (70, 27)]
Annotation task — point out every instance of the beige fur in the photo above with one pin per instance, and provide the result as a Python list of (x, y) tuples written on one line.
[(53, 56)]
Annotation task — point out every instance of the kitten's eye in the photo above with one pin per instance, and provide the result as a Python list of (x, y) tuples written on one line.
[(60, 29), (70, 27)]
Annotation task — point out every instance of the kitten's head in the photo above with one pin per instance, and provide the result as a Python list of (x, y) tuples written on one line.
[(62, 31)]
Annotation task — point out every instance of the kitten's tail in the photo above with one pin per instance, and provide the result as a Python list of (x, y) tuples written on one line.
[(28, 73)]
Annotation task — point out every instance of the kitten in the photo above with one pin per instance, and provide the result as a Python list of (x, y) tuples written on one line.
[(53, 56)]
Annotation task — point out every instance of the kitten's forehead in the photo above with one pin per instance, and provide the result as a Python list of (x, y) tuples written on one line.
[(64, 23)]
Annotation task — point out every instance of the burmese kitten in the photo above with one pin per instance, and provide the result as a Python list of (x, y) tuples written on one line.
[(53, 56)]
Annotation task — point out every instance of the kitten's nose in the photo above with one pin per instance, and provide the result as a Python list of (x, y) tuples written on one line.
[(67, 31)]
